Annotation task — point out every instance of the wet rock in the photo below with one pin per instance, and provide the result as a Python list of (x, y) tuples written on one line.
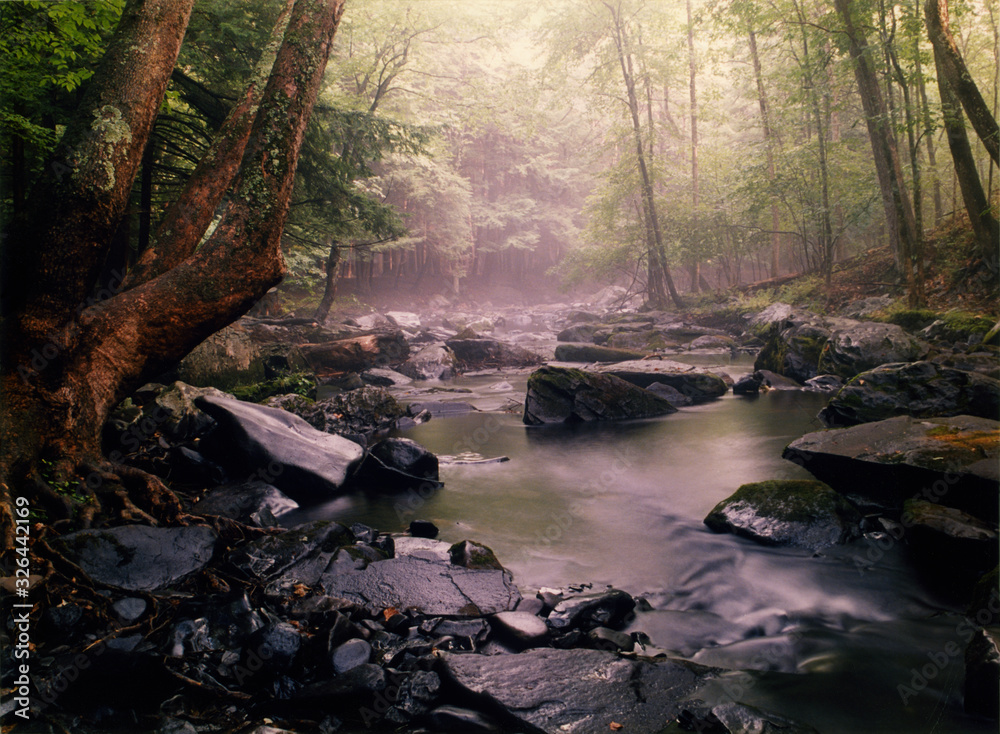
[(357, 415), (603, 638), (951, 461), (586, 611), (738, 718), (695, 384), (440, 408), (138, 557), (671, 394), (175, 411), (477, 354), (919, 389), (984, 608), (469, 554), (461, 721), (593, 353), (417, 693), (358, 353), (253, 502), (713, 341), (423, 529), (350, 655), (824, 383), (558, 395), (793, 341), (271, 651), (801, 513), (748, 384), (306, 464), (949, 543), (432, 587), (582, 691), (130, 609), (396, 464), (521, 627), (433, 362), (362, 680), (578, 333), (227, 357), (268, 556), (404, 319), (864, 345), (982, 674), (383, 377), (772, 381), (636, 339)]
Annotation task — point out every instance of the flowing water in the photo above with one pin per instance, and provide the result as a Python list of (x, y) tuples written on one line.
[(828, 639)]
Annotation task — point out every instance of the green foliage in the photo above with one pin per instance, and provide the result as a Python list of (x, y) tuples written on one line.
[(72, 490), (297, 383)]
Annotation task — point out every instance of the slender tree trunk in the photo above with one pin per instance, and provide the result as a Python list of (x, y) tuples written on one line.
[(695, 265), (330, 283), (925, 116), (984, 224), (951, 66), (895, 198), (769, 146)]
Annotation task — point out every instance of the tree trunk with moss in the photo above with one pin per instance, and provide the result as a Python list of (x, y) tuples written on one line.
[(73, 348)]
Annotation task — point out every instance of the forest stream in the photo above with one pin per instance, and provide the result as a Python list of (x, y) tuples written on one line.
[(834, 635)]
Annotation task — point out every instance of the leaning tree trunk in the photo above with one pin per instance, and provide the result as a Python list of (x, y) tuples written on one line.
[(69, 360), (951, 66)]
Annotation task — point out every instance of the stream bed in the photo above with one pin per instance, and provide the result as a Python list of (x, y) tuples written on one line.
[(849, 640)]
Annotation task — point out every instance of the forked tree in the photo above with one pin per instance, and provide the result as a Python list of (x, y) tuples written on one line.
[(73, 348)]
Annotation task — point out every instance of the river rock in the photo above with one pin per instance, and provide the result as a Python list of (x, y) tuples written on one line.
[(696, 384), (358, 353), (306, 464), (174, 409), (586, 611), (253, 502), (356, 414), (227, 357), (483, 353), (404, 319), (671, 394), (982, 674), (713, 341), (470, 554), (350, 655), (384, 377), (461, 721), (593, 353), (433, 362), (919, 389), (430, 587), (579, 333), (270, 555), (748, 384), (951, 461), (738, 718), (956, 546), (641, 339), (800, 513), (793, 342), (579, 691), (559, 395), (522, 628), (395, 464), (864, 345), (138, 557)]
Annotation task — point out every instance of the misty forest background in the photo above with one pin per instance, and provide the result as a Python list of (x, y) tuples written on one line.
[(457, 144)]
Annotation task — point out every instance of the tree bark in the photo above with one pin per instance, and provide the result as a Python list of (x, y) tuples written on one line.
[(769, 145), (695, 265), (984, 224), (895, 198), (330, 283), (951, 66), (58, 389)]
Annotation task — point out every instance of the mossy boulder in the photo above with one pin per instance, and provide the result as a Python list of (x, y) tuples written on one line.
[(698, 385), (793, 345), (646, 340), (958, 327), (562, 395), (581, 332), (355, 414), (800, 513), (861, 346), (919, 389)]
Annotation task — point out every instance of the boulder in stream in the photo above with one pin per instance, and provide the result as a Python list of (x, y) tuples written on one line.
[(951, 461), (864, 345), (695, 384), (919, 389), (561, 395), (580, 691), (306, 464), (800, 513), (358, 353), (594, 353), (481, 353)]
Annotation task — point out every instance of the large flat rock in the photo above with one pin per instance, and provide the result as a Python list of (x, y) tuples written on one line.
[(138, 557), (433, 587), (952, 461), (308, 465), (695, 384), (576, 691), (560, 395)]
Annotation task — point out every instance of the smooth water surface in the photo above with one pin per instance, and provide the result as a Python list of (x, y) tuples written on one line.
[(832, 636)]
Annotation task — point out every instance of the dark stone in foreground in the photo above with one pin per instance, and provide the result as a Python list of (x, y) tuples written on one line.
[(396, 464), (950, 461), (306, 464), (919, 389), (140, 558), (558, 395), (582, 691), (253, 503), (982, 674), (587, 611), (800, 513)]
